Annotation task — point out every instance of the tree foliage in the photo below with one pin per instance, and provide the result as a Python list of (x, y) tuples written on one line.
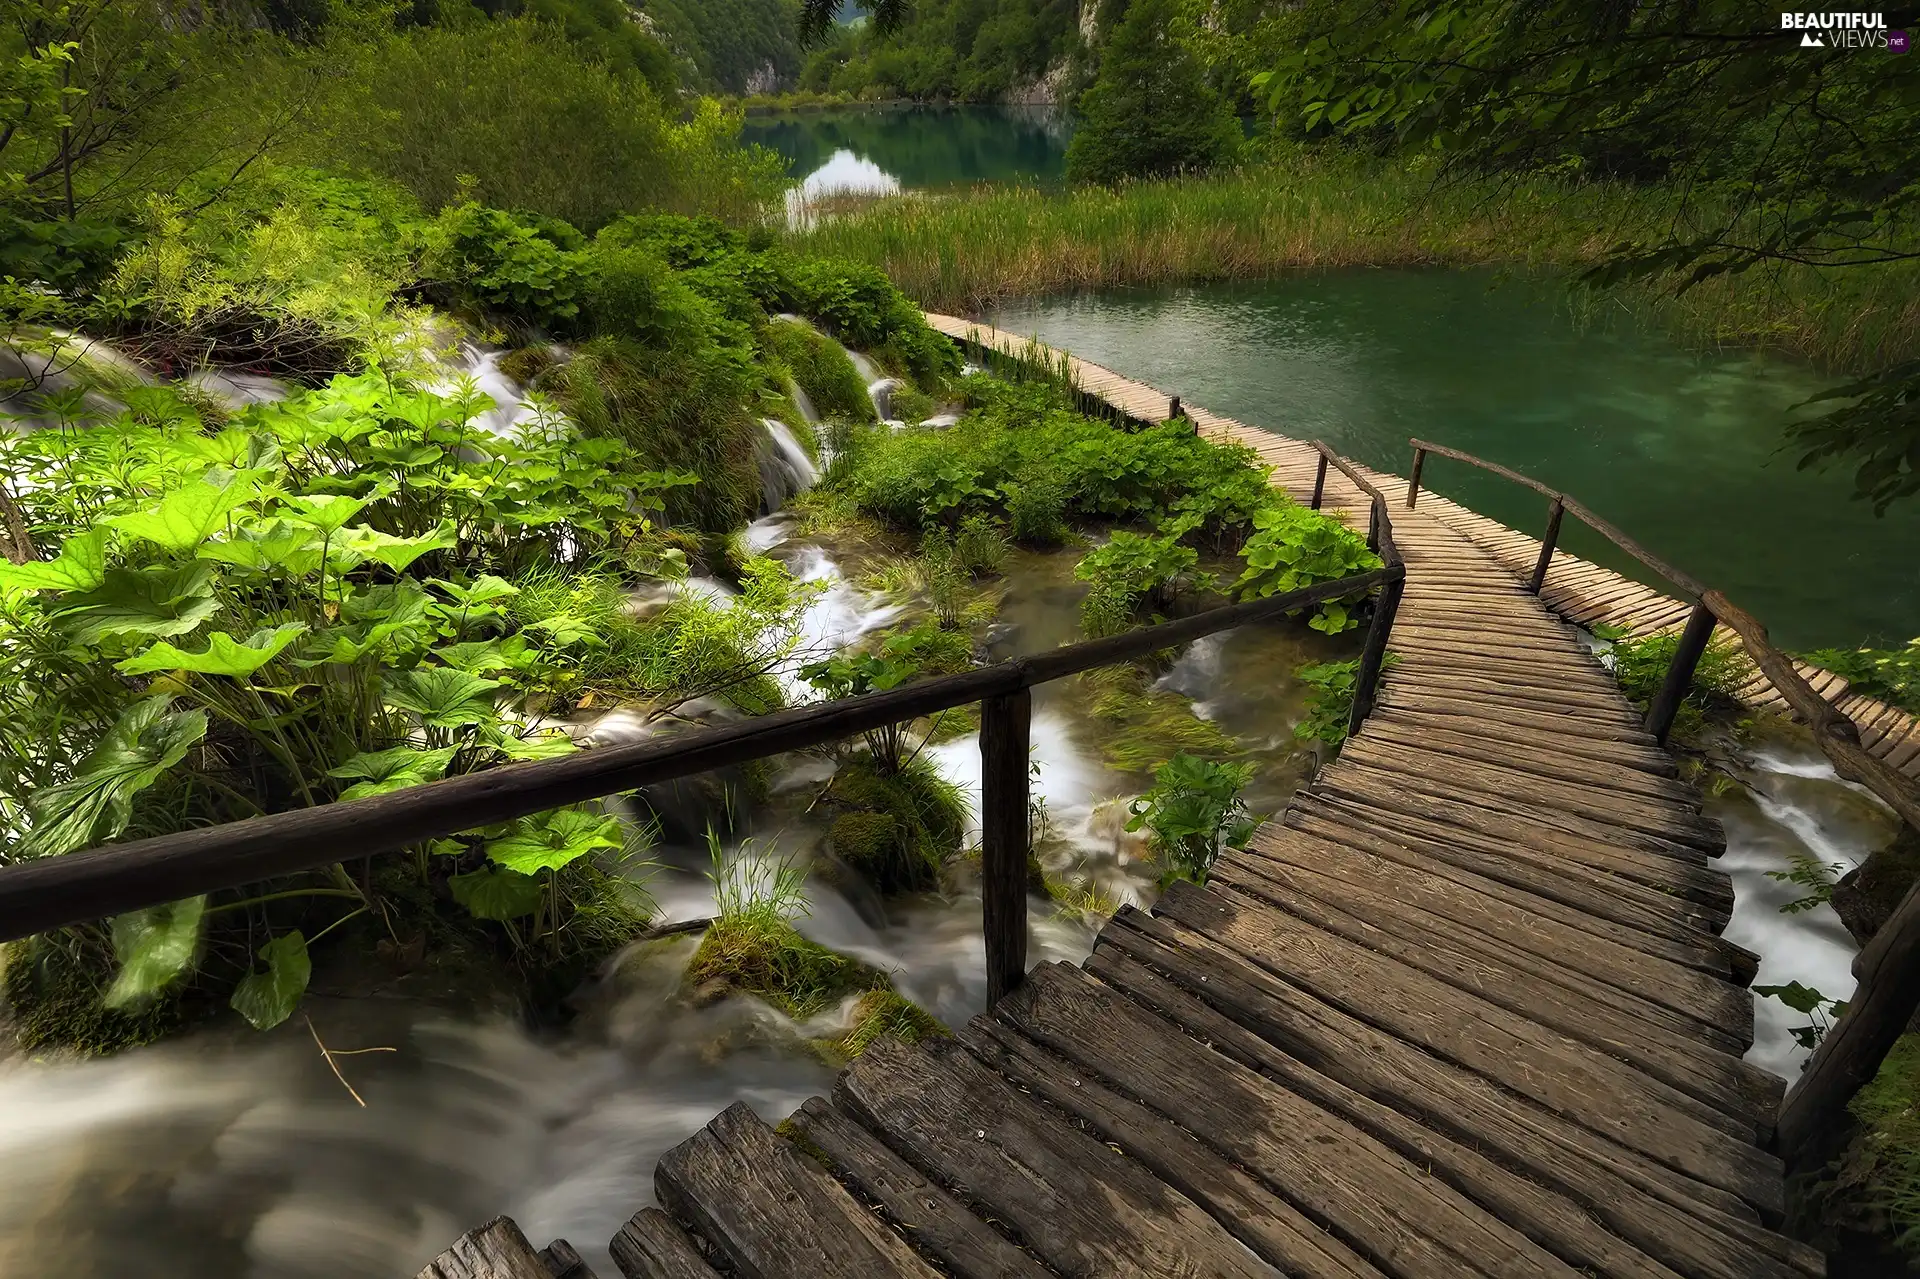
[(1776, 156), (1151, 112)]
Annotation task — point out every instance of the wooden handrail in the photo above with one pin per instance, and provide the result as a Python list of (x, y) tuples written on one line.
[(51, 892), (1887, 970), (1373, 654)]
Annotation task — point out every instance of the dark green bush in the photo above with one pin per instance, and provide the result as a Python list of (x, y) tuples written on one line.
[(1151, 112), (859, 305)]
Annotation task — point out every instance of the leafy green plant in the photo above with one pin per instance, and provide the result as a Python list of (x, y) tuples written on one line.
[(1130, 572), (1294, 548), (1812, 874), (1640, 665), (1892, 675), (980, 546), (1330, 693), (1194, 811), (1881, 1168), (1820, 1011)]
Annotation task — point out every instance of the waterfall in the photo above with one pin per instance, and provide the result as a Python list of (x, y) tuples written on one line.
[(880, 391), (235, 390), (803, 402), (510, 407), (785, 468)]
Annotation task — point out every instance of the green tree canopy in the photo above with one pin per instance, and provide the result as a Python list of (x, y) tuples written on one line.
[(1150, 113)]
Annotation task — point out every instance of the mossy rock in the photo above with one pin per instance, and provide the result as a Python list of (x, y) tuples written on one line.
[(525, 364), (769, 958), (883, 1012), (895, 829), (53, 987)]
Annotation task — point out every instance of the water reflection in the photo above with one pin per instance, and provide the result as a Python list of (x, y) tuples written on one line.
[(917, 147)]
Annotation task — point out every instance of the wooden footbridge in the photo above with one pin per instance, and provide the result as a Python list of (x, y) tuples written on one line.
[(1463, 1009)]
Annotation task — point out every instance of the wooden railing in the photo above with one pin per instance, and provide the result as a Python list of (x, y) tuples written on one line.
[(39, 895), (1887, 970)]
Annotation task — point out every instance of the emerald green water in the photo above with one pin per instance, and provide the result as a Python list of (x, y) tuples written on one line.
[(875, 150), (1684, 451)]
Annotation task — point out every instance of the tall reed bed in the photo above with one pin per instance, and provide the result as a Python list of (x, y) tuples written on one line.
[(1299, 211)]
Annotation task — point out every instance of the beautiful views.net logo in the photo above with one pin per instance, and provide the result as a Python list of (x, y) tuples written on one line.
[(1844, 31)]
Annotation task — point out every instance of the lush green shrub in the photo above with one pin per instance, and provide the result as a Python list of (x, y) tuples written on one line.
[(1131, 572), (1295, 548), (1194, 810), (494, 259), (1330, 693), (1036, 509), (1640, 664), (822, 370), (515, 115), (1892, 675), (980, 547), (1151, 112), (859, 305)]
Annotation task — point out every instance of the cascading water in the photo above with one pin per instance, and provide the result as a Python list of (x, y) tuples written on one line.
[(470, 360), (785, 468)]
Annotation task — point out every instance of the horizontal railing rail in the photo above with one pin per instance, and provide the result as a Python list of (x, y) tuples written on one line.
[(51, 892), (1887, 970)]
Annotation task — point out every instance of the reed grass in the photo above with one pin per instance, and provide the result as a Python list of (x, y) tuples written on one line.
[(965, 252)]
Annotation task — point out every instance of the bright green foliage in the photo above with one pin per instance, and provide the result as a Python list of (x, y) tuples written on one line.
[(903, 656), (948, 50), (1892, 675), (498, 895), (1151, 112), (1131, 572), (1882, 1166), (1295, 548), (95, 804), (269, 998), (1641, 667), (1330, 691), (859, 305), (1194, 810), (823, 371), (155, 948), (549, 841), (505, 262), (1021, 444)]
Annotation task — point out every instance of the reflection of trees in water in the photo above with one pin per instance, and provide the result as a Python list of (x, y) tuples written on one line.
[(926, 146)]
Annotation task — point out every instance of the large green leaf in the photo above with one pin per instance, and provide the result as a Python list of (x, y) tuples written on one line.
[(395, 552), (482, 656), (154, 946), (189, 515), (269, 998), (269, 545), (442, 698), (548, 841), (390, 770), (395, 616), (496, 894), (95, 804), (327, 512), (224, 655), (154, 602), (80, 566), (546, 744)]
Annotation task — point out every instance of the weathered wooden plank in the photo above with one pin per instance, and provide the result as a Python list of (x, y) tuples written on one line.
[(1081, 1206), (1401, 1220), (1443, 683), (1520, 679), (933, 1219), (1522, 963), (1584, 900), (496, 1250), (1692, 1227), (1470, 745), (1572, 1079), (1547, 1218), (770, 1212), (564, 1262), (1629, 755), (650, 1246), (1650, 879), (1252, 1213), (1533, 800), (1438, 702)]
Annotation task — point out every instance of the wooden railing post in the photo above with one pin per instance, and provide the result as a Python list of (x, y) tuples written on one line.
[(1320, 482), (1373, 656), (1373, 527), (1547, 543), (1673, 691), (1004, 725), (1413, 481)]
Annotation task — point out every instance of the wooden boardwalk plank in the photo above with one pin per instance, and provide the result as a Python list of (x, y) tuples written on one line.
[(1083, 1207), (771, 1212), (651, 1246)]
